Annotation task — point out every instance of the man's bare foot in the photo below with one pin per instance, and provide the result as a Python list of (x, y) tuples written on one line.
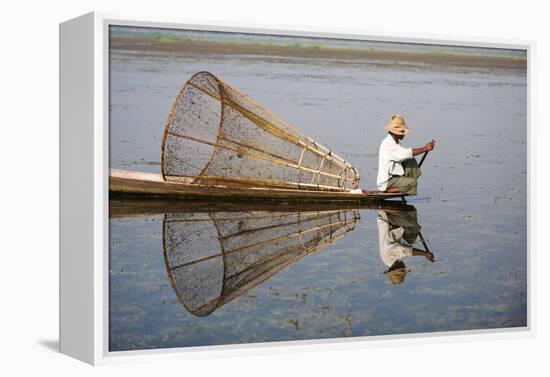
[(392, 190)]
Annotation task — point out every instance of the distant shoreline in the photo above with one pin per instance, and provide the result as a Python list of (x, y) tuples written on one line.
[(186, 46)]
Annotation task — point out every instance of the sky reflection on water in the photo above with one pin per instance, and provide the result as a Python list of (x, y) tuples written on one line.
[(205, 277)]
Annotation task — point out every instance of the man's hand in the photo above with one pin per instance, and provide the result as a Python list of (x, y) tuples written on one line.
[(430, 146), (426, 254), (426, 148), (429, 256)]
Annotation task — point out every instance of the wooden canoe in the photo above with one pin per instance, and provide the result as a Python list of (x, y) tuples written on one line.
[(142, 184)]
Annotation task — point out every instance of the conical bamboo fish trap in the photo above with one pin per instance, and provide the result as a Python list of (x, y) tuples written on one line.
[(215, 135), (213, 258)]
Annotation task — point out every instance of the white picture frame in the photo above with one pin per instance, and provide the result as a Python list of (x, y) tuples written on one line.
[(84, 192)]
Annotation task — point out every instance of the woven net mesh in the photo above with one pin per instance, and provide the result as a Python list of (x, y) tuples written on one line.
[(212, 258), (215, 135)]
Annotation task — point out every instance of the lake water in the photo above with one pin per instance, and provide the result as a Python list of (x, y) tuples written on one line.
[(471, 206)]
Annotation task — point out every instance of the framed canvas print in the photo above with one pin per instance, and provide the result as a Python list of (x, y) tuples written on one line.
[(229, 187)]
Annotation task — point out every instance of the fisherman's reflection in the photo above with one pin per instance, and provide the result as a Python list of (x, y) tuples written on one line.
[(398, 231)]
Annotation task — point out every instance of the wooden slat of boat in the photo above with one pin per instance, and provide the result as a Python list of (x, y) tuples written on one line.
[(128, 182)]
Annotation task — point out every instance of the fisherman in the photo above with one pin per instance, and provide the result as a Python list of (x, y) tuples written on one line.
[(398, 170), (398, 231)]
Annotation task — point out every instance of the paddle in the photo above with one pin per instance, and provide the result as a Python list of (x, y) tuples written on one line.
[(425, 155), (424, 242), (423, 158)]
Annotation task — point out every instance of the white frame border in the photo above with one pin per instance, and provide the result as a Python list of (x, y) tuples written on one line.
[(102, 21)]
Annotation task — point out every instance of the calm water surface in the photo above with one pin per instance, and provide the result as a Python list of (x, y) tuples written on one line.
[(471, 207)]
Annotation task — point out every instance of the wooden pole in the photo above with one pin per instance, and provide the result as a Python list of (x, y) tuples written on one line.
[(423, 240), (423, 158)]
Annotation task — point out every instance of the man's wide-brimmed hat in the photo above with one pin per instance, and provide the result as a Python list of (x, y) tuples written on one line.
[(397, 272), (397, 276), (397, 125)]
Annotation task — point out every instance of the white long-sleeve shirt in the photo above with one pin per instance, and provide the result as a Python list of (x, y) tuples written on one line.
[(390, 156), (391, 245)]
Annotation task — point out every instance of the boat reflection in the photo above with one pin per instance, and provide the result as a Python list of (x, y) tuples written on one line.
[(215, 252)]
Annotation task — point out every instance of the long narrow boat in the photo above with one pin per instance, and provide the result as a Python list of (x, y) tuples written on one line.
[(142, 184)]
